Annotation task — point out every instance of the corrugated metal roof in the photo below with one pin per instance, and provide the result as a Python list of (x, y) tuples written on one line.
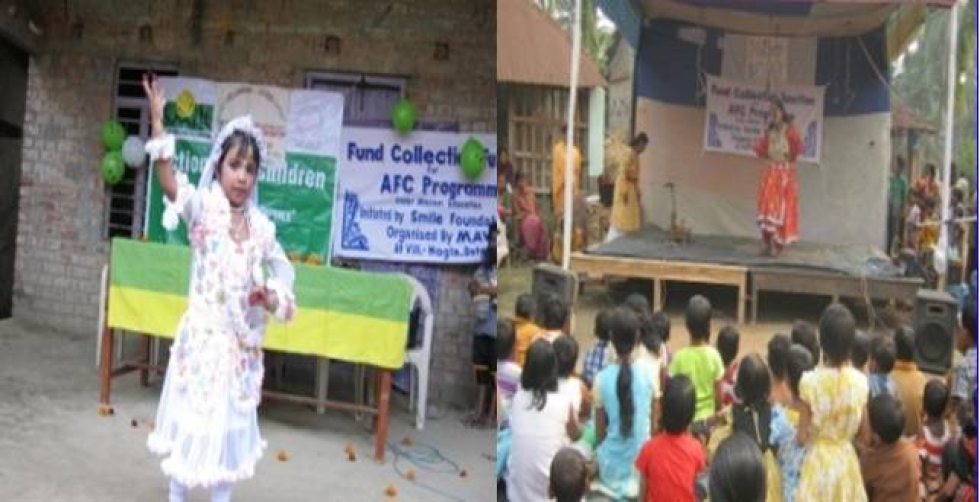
[(533, 49)]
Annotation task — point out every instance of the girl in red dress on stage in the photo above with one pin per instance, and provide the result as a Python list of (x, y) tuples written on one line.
[(778, 191)]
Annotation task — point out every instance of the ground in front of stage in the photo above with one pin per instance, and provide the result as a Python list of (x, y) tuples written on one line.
[(56, 447)]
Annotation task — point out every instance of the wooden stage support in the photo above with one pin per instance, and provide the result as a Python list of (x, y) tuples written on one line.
[(788, 280), (780, 279), (662, 270)]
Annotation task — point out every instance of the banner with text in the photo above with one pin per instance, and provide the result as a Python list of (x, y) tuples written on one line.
[(738, 114), (405, 199), (297, 181)]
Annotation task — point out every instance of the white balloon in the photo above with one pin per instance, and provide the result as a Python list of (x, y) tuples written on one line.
[(133, 153)]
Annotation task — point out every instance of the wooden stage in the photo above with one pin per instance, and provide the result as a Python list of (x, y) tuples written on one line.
[(803, 268)]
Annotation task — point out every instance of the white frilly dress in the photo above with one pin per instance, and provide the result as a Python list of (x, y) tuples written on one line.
[(206, 424)]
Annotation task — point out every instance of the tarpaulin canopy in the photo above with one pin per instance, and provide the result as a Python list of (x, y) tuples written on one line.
[(794, 18)]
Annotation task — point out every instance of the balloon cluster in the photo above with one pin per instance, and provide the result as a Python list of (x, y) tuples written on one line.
[(121, 151)]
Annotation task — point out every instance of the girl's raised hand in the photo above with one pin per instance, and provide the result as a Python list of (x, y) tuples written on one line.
[(154, 93)]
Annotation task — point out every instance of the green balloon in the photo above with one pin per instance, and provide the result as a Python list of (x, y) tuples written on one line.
[(112, 168), (473, 159), (113, 135), (403, 116)]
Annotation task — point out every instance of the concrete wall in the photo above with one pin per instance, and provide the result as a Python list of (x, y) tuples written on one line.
[(620, 100), (61, 246)]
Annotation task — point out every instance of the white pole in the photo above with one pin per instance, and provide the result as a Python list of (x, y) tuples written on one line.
[(948, 147), (566, 245)]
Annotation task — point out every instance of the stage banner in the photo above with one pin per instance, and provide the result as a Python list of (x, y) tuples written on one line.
[(738, 113), (297, 181), (405, 199)]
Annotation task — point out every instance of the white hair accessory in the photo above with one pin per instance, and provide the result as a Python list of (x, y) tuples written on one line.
[(245, 125)]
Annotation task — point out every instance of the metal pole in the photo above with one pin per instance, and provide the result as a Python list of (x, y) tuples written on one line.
[(948, 146), (566, 246)]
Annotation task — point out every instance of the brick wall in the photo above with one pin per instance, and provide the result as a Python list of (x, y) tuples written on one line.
[(60, 244)]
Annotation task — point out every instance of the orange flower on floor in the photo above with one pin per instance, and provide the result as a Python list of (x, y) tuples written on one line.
[(391, 492), (410, 475), (282, 456)]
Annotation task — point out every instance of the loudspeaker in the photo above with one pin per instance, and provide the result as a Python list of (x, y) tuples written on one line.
[(935, 327), (547, 278)]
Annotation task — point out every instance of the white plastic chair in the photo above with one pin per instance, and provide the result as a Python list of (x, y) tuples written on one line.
[(420, 356)]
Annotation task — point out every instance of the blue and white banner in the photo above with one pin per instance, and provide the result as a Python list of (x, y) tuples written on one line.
[(405, 199), (738, 114)]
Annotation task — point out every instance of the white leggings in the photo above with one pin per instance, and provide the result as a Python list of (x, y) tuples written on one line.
[(219, 493)]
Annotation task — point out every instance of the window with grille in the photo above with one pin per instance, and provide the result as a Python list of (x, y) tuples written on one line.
[(126, 200), (367, 99)]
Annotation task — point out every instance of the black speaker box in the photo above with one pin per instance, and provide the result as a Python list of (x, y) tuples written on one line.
[(548, 278), (935, 329)]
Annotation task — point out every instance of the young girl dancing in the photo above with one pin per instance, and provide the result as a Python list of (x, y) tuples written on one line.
[(206, 424)]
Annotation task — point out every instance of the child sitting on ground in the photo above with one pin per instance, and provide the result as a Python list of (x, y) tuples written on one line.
[(595, 357), (524, 326), (700, 361), (890, 467), (566, 353), (751, 415), (785, 419), (539, 423), (569, 476), (670, 462), (508, 371), (861, 351), (834, 397), (727, 345), (960, 458), (554, 317), (934, 435), (624, 399), (803, 333), (661, 327), (911, 383), (965, 373), (737, 472), (882, 362), (777, 356)]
